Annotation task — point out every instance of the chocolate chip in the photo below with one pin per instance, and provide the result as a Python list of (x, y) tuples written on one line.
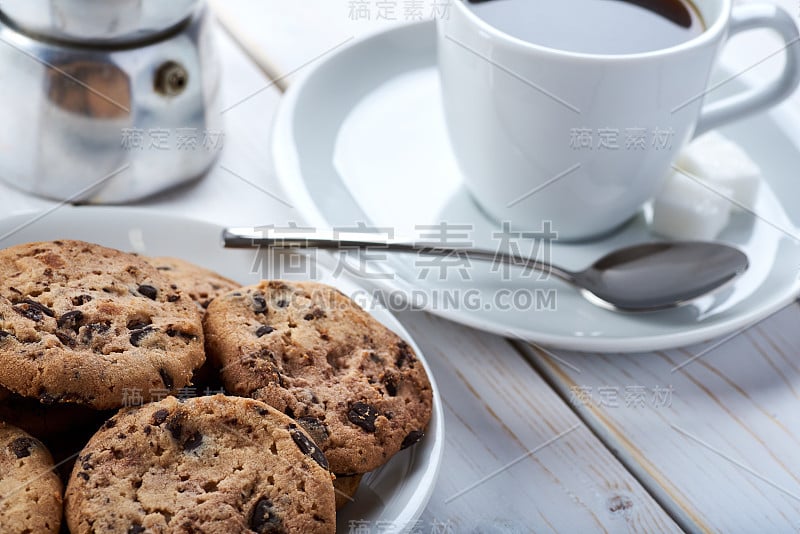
[(148, 291), (71, 320), (169, 383), (159, 416), (136, 529), (138, 323), (65, 339), (175, 424), (4, 334), (101, 328), (173, 298), (80, 300), (30, 309), (363, 415), (308, 447), (264, 330), (171, 332), (188, 440), (111, 423), (83, 475), (95, 328), (264, 520), (44, 309), (192, 441), (259, 304), (316, 429), (282, 303), (316, 313), (390, 383), (413, 437), (289, 412), (21, 447), (405, 355), (138, 335)]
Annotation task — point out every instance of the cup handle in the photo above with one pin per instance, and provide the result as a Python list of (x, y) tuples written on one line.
[(750, 17)]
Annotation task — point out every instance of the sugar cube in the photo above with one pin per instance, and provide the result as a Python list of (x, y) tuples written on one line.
[(688, 210), (721, 162)]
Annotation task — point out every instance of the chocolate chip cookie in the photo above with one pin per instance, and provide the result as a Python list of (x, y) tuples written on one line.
[(85, 324), (30, 490), (314, 354), (345, 487), (200, 284), (47, 421), (209, 464)]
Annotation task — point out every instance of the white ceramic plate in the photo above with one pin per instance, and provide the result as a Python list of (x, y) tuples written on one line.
[(394, 494), (362, 138)]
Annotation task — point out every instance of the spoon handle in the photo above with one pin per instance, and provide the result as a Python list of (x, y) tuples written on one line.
[(299, 239)]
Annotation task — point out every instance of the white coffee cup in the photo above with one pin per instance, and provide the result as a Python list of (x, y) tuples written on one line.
[(527, 122)]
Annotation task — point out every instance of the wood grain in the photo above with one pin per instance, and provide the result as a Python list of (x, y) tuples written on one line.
[(502, 421), (722, 453)]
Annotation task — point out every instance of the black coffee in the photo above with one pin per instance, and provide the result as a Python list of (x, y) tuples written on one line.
[(594, 26)]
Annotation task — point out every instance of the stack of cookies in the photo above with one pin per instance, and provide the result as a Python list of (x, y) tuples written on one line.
[(318, 393)]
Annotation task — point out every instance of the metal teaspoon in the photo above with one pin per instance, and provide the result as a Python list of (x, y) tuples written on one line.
[(640, 278)]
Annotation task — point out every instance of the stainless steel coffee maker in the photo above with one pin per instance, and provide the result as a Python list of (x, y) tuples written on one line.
[(106, 101)]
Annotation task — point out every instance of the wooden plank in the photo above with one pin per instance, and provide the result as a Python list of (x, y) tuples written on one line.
[(505, 467), (715, 437)]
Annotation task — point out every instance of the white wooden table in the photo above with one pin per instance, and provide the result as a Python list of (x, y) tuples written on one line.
[(538, 440)]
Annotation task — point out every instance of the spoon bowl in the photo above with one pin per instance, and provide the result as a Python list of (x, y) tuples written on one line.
[(660, 275)]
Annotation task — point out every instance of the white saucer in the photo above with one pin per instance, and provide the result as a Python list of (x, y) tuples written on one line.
[(394, 494), (361, 138)]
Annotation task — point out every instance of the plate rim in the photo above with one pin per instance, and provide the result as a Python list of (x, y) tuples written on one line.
[(285, 158), (419, 499)]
